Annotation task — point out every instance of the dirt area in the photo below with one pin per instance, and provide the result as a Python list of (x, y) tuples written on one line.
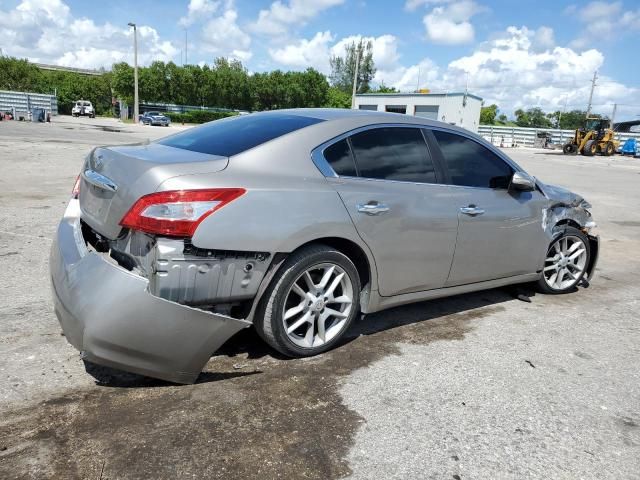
[(475, 386)]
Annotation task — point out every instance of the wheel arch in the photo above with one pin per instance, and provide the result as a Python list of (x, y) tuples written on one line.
[(362, 260)]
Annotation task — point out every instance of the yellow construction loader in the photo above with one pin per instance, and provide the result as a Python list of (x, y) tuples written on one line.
[(595, 138)]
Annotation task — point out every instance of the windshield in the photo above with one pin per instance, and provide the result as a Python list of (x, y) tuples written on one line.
[(234, 135), (153, 113)]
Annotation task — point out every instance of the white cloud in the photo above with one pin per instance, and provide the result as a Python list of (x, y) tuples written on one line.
[(305, 53), (315, 52), (198, 9), (544, 38), (222, 36), (280, 16), (412, 5), (384, 49), (425, 74), (46, 31), (510, 72), (450, 25), (603, 21)]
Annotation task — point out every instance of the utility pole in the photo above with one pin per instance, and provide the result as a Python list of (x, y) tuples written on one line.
[(136, 107), (186, 47), (613, 114), (566, 99), (593, 86), (355, 78)]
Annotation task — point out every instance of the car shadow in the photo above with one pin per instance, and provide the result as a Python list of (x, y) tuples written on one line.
[(249, 346), (111, 377), (248, 343)]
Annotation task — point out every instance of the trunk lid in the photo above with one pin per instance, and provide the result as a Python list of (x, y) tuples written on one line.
[(113, 178)]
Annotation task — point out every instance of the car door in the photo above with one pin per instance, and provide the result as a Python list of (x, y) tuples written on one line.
[(500, 232), (388, 183)]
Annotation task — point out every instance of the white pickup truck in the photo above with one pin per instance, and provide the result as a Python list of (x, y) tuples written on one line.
[(83, 108)]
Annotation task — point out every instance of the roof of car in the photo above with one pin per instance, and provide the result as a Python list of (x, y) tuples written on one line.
[(359, 116)]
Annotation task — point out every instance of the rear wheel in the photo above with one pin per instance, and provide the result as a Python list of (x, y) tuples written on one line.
[(570, 149), (311, 302), (590, 148), (566, 262)]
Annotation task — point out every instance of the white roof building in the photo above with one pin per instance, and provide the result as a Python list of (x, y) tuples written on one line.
[(462, 109)]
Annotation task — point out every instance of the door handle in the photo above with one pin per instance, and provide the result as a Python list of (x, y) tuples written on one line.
[(372, 208), (471, 210)]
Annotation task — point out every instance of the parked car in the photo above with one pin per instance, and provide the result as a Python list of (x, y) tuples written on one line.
[(294, 222), (83, 108), (155, 118)]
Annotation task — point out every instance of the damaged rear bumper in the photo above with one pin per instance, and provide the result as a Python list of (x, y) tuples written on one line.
[(108, 314)]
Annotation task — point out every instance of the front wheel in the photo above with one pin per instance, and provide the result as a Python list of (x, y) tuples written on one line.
[(566, 262), (311, 302), (590, 148), (610, 149)]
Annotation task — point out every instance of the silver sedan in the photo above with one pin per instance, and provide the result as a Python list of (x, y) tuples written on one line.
[(294, 222)]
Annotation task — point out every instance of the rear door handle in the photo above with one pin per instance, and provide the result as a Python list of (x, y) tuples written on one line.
[(372, 208), (471, 210)]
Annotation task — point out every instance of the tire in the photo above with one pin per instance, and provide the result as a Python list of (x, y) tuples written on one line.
[(556, 263), (321, 330), (570, 149), (590, 148), (609, 149)]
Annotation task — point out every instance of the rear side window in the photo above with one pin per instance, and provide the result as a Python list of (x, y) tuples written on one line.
[(470, 164), (339, 157), (393, 153), (234, 135)]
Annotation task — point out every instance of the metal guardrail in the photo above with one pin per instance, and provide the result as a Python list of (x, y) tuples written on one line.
[(22, 102), (172, 107), (525, 137)]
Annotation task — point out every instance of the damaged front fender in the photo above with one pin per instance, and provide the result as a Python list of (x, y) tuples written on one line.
[(568, 208)]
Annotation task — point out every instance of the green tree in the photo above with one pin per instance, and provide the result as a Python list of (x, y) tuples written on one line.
[(382, 88), (533, 117), (122, 81), (488, 114), (343, 67), (336, 98), (19, 75)]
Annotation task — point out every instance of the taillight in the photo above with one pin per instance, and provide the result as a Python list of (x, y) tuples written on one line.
[(75, 192), (177, 212)]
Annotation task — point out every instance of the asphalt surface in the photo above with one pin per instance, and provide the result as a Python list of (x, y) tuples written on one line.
[(475, 386)]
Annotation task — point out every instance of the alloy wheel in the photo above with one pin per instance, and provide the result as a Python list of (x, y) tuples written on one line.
[(565, 263), (318, 305)]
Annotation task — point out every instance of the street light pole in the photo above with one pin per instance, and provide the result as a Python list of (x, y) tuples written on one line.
[(355, 78), (135, 73)]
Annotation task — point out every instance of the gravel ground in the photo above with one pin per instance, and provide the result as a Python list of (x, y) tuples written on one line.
[(475, 386)]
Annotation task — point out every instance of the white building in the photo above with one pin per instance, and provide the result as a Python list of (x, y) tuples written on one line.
[(462, 109)]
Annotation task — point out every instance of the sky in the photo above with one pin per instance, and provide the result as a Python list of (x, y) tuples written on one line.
[(517, 54)]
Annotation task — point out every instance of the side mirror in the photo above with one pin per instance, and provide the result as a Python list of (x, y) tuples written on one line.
[(522, 182)]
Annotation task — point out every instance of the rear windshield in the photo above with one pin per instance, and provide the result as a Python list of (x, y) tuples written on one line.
[(234, 135)]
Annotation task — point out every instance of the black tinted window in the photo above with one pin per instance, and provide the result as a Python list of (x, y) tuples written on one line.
[(472, 165), (234, 135), (339, 157), (393, 154)]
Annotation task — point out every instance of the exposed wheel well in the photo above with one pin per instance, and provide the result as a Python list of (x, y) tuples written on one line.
[(351, 250), (571, 223)]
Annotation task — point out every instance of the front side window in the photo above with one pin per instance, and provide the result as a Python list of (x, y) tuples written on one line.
[(393, 153), (471, 164)]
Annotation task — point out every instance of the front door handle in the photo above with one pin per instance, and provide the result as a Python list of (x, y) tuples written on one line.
[(471, 210), (372, 208)]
